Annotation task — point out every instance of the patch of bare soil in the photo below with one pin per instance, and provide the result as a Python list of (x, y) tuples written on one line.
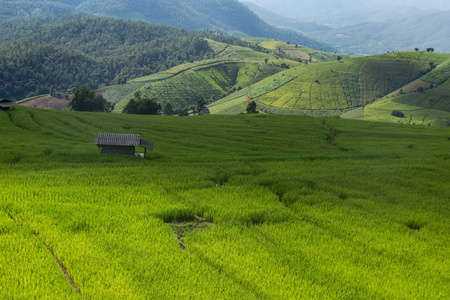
[(47, 102), (180, 229)]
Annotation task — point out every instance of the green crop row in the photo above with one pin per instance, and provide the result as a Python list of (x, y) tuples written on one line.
[(272, 85), (440, 75), (224, 207), (181, 91), (117, 93), (153, 77)]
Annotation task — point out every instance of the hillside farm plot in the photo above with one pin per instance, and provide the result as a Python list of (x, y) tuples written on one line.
[(431, 107), (183, 90), (227, 76), (312, 89), (152, 77), (271, 85), (117, 93), (340, 86)]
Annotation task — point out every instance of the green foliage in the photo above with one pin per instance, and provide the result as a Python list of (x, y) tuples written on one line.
[(398, 114), (92, 51), (356, 219), (140, 105), (85, 99), (438, 75), (251, 108)]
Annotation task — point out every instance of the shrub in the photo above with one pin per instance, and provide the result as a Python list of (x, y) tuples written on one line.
[(398, 113), (142, 106)]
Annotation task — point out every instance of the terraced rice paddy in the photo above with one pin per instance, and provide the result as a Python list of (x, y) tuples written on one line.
[(225, 207)]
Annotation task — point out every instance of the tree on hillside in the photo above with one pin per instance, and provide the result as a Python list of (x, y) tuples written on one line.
[(168, 110), (251, 108), (430, 49), (201, 104), (85, 99), (141, 105)]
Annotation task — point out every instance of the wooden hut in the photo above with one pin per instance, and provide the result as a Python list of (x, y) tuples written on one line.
[(5, 104), (122, 144)]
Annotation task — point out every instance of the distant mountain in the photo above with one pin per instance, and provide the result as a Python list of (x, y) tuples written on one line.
[(379, 30), (327, 8), (21, 9), (422, 31), (358, 15), (285, 22), (225, 16)]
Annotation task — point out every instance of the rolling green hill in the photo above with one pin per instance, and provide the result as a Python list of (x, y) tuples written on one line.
[(232, 69), (229, 207), (300, 52), (334, 88)]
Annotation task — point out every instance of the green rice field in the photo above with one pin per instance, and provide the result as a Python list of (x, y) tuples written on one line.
[(224, 207)]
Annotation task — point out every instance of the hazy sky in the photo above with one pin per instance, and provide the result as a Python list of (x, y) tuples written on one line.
[(298, 8)]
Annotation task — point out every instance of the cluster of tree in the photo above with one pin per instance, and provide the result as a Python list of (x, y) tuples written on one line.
[(92, 51), (252, 108), (86, 99), (141, 105), (29, 69)]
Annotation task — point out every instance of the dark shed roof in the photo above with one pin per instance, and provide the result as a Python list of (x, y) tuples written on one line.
[(5, 103), (116, 139)]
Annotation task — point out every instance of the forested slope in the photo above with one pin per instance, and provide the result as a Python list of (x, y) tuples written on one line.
[(225, 16), (92, 51)]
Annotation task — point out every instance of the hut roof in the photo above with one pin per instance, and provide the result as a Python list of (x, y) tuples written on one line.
[(116, 139), (5, 103)]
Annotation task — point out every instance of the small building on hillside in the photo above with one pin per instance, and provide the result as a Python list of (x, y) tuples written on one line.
[(5, 104), (122, 144)]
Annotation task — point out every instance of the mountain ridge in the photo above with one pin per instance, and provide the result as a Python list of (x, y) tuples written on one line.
[(224, 16)]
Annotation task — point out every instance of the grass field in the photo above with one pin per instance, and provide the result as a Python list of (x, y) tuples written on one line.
[(225, 207)]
